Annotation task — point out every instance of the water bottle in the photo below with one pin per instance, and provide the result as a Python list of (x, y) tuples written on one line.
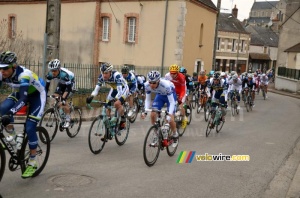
[(19, 141), (113, 121), (165, 131), (140, 102), (11, 140)]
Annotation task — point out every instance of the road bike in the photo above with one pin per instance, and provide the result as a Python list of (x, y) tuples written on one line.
[(195, 99), (54, 118), (263, 91), (19, 157), (248, 102), (234, 103), (215, 119), (158, 137), (207, 109), (104, 128)]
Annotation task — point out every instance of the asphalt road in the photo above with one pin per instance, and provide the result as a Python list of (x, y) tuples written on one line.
[(267, 134)]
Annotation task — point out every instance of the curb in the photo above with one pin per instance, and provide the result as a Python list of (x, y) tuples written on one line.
[(284, 93)]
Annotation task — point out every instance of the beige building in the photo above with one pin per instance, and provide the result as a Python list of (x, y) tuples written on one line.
[(232, 44), (138, 33)]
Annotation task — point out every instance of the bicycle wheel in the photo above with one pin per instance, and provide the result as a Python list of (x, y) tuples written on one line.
[(97, 132), (246, 102), (180, 130), (208, 128), (233, 104), (249, 99), (2, 161), (75, 123), (188, 113), (264, 93), (135, 112), (49, 122), (121, 136), (42, 151), (152, 145), (170, 149), (219, 126), (193, 102)]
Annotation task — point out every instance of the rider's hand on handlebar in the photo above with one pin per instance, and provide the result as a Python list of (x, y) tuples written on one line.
[(89, 99)]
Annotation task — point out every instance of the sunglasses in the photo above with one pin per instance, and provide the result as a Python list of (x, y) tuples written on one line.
[(173, 73), (54, 70), (124, 73), (152, 82)]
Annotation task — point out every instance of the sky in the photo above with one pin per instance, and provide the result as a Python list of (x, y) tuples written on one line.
[(243, 6)]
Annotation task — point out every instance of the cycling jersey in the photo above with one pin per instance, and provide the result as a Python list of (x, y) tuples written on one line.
[(248, 83), (189, 82), (131, 82), (66, 81), (165, 93), (264, 81), (119, 87), (180, 85), (141, 79), (235, 85), (28, 88)]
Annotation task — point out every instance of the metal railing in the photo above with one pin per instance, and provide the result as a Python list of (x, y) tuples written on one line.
[(289, 73), (86, 75)]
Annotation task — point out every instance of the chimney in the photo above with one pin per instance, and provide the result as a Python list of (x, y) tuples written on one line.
[(235, 11)]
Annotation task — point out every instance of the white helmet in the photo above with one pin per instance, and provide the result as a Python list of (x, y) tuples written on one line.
[(235, 76), (223, 74), (54, 64)]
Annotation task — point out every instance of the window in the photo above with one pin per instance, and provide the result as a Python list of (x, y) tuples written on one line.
[(233, 45), (265, 49), (131, 29), (218, 43), (242, 45), (201, 36), (12, 26), (105, 28), (131, 23)]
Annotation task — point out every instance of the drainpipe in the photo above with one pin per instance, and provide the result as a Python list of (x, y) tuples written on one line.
[(164, 39)]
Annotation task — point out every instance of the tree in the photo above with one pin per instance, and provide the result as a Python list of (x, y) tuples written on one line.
[(23, 48)]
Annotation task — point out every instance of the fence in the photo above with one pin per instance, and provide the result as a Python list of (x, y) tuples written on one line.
[(86, 75), (289, 73)]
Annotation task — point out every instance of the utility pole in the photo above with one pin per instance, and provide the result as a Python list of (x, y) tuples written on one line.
[(52, 33), (216, 35)]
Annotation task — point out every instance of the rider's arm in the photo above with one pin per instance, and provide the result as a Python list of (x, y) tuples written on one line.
[(121, 86), (23, 92), (98, 86)]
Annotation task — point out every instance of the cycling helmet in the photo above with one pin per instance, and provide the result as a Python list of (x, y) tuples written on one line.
[(183, 70), (235, 77), (217, 75), (7, 58), (54, 64), (106, 67), (202, 72), (211, 73), (223, 74), (233, 73), (125, 69), (195, 74), (153, 76), (174, 68), (132, 71), (250, 75), (263, 75)]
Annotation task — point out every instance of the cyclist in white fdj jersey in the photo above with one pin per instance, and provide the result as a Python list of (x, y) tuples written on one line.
[(28, 88), (165, 93), (118, 92)]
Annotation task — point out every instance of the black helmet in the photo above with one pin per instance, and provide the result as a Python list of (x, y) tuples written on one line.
[(8, 57), (106, 67), (217, 75), (125, 69)]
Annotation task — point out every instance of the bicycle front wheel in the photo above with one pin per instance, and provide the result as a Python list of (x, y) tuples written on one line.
[(233, 106), (135, 112), (207, 112), (188, 113), (49, 122), (42, 151), (152, 144), (96, 132), (250, 103), (209, 128), (170, 149), (75, 123), (2, 161)]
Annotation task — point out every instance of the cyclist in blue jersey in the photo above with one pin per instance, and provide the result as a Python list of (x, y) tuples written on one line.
[(165, 93), (118, 92), (132, 85), (64, 87), (27, 88)]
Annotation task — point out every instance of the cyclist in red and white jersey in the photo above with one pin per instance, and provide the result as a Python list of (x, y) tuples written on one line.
[(178, 80)]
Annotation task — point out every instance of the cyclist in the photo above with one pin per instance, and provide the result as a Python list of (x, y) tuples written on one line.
[(203, 82), (29, 88), (165, 93), (224, 77), (189, 84), (118, 92), (236, 85), (195, 80), (264, 81), (132, 84), (178, 80), (250, 83), (64, 87), (217, 85)]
